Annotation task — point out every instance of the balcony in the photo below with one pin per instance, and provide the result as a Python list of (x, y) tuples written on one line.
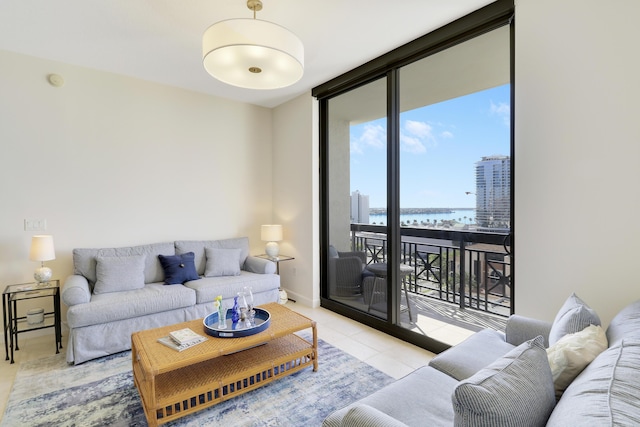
[(459, 278)]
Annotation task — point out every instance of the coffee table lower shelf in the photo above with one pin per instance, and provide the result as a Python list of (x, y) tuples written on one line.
[(174, 394)]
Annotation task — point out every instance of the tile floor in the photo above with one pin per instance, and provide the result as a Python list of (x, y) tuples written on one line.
[(388, 354)]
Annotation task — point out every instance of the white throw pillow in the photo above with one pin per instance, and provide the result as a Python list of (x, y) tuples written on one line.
[(572, 353), (119, 273), (222, 262)]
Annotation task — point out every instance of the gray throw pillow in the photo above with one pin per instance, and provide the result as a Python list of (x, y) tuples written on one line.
[(222, 262), (573, 316), (515, 390), (116, 274)]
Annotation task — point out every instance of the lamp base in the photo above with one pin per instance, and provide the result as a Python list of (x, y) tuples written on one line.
[(272, 249), (42, 274)]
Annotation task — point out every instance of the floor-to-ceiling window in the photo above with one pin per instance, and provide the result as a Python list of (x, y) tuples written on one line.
[(416, 158), (357, 125)]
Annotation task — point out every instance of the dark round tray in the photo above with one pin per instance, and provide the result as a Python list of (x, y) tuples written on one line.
[(236, 330)]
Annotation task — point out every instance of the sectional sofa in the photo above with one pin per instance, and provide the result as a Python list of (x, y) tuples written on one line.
[(566, 373), (117, 291)]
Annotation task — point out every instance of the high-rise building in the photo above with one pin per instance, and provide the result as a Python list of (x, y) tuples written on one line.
[(493, 192), (359, 208)]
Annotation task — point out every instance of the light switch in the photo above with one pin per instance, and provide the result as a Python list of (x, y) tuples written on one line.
[(35, 224)]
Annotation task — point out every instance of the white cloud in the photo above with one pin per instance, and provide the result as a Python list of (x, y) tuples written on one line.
[(415, 136), (411, 144), (419, 129), (502, 110), (373, 136)]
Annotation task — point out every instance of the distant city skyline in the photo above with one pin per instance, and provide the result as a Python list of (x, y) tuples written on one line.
[(440, 145)]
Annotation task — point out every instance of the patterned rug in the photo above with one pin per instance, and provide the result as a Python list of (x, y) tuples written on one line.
[(48, 392)]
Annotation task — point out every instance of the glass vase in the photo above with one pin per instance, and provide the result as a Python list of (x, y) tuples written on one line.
[(222, 318), (251, 312)]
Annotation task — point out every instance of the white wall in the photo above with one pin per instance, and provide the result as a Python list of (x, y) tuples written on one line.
[(295, 195), (577, 153), (114, 161)]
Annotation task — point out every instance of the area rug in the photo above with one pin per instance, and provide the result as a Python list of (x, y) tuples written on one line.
[(48, 392)]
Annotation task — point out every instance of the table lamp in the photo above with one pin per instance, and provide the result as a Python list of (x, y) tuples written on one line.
[(42, 250), (271, 233)]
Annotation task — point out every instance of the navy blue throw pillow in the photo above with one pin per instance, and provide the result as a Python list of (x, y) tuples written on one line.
[(178, 268)]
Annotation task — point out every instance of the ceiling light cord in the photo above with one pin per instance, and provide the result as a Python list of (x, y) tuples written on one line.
[(255, 5)]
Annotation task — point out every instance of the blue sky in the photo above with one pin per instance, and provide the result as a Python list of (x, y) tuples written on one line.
[(439, 146)]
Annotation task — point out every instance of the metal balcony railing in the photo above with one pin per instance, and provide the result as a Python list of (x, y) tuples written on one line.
[(466, 267)]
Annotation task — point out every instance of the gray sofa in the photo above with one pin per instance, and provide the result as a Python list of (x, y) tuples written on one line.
[(496, 379), (117, 291)]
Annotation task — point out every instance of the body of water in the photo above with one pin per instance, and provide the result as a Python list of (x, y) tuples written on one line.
[(466, 216)]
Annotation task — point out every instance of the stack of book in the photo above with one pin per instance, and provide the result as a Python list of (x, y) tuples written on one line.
[(182, 339)]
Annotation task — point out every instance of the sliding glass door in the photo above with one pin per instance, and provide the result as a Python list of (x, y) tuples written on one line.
[(455, 170), (356, 180), (416, 185)]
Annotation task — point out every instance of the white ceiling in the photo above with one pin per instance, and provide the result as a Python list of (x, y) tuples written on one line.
[(161, 40)]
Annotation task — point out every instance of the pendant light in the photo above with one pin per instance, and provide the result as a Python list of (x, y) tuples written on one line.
[(252, 53)]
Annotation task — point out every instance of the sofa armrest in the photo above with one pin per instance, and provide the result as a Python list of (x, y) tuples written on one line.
[(520, 329), (365, 415), (76, 290), (254, 264)]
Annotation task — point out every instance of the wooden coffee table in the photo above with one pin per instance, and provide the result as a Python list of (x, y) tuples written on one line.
[(173, 384)]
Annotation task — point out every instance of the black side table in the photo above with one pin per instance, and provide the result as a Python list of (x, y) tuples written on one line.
[(14, 325), (277, 259)]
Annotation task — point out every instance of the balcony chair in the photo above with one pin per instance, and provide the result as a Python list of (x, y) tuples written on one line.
[(346, 272)]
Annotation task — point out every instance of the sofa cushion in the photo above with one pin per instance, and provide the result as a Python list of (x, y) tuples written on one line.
[(112, 306), (572, 353), (366, 416), (516, 389), (178, 268), (84, 260), (573, 316), (197, 247), (421, 398), (222, 262), (119, 273), (625, 324), (606, 392), (486, 346), (208, 288)]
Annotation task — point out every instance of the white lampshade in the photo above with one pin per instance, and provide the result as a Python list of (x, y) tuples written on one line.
[(42, 250), (271, 233), (252, 54)]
